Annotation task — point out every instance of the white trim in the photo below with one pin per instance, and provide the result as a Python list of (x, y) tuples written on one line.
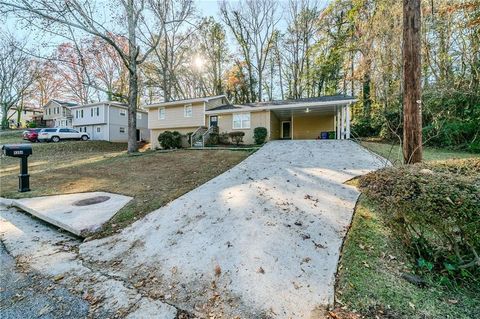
[(241, 122), (348, 122), (209, 121), (185, 110), (164, 113), (282, 106)]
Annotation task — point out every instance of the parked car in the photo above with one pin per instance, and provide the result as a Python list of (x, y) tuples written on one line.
[(27, 135), (32, 136), (58, 134)]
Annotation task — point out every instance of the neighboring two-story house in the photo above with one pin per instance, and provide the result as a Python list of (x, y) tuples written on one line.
[(108, 121), (27, 115), (309, 118), (57, 113)]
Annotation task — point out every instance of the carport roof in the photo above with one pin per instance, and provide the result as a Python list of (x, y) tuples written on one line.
[(287, 104)]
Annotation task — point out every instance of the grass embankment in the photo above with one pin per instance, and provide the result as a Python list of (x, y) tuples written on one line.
[(152, 178), (375, 258), (393, 152)]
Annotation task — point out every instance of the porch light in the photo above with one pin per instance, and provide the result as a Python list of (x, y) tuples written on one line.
[(307, 110)]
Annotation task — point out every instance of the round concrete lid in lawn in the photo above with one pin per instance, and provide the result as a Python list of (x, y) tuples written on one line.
[(91, 201)]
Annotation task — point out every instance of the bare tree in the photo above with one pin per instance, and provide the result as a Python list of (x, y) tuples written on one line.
[(172, 48), (17, 74), (90, 17), (302, 19), (412, 116), (253, 24)]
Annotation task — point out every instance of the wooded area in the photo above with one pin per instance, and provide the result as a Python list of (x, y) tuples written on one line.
[(147, 51)]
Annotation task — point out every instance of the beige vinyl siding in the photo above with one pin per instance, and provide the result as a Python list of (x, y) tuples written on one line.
[(310, 126), (175, 119), (275, 127), (257, 119)]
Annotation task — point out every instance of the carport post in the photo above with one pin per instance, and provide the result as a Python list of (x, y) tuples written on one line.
[(342, 126), (338, 122), (348, 122)]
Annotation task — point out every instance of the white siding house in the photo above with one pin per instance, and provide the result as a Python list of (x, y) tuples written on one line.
[(58, 113), (108, 121)]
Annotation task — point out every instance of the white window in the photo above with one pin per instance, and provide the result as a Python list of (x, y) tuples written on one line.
[(161, 113), (76, 114), (98, 111), (241, 120), (139, 116), (122, 130), (187, 110), (91, 112), (81, 114), (123, 113), (98, 130)]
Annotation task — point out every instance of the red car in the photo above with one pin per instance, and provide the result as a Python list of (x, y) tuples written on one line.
[(31, 135)]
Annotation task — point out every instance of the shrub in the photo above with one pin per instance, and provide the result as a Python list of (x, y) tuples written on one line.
[(435, 209), (213, 138), (260, 135), (224, 138), (32, 125), (237, 137), (170, 140)]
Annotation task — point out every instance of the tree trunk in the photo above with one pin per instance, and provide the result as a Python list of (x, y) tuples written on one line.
[(412, 116), (132, 81)]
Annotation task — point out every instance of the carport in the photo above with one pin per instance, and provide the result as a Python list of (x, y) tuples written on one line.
[(309, 118)]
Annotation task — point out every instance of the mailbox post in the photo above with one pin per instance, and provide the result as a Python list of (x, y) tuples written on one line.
[(23, 151)]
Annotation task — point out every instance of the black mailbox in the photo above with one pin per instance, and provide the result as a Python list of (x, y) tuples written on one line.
[(17, 150), (23, 151)]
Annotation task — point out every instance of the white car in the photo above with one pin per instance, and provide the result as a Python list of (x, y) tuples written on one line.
[(58, 134)]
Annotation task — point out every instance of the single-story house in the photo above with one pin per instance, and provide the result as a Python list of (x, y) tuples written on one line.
[(57, 113), (108, 121), (304, 118)]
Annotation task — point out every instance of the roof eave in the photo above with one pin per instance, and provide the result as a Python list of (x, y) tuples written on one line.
[(285, 106)]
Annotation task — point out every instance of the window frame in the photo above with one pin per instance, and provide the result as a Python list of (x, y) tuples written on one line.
[(160, 109), (122, 112), (122, 129), (242, 127), (188, 107)]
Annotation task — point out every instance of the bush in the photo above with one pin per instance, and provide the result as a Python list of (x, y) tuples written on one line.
[(237, 137), (435, 209), (260, 135), (32, 125), (170, 140), (224, 138)]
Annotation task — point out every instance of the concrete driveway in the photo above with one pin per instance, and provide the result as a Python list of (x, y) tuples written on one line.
[(261, 240)]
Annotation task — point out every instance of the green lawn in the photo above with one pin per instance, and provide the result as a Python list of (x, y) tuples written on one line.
[(393, 152), (369, 279)]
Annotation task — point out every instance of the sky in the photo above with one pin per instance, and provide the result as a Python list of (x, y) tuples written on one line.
[(46, 43)]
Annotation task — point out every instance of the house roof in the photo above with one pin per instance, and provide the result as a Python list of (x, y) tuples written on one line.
[(185, 101), (282, 104), (225, 107), (63, 103), (327, 98)]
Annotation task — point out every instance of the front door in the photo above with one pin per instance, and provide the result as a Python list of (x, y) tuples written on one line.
[(286, 130), (213, 120), (138, 135)]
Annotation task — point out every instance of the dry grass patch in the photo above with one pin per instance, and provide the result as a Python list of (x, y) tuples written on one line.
[(152, 178)]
